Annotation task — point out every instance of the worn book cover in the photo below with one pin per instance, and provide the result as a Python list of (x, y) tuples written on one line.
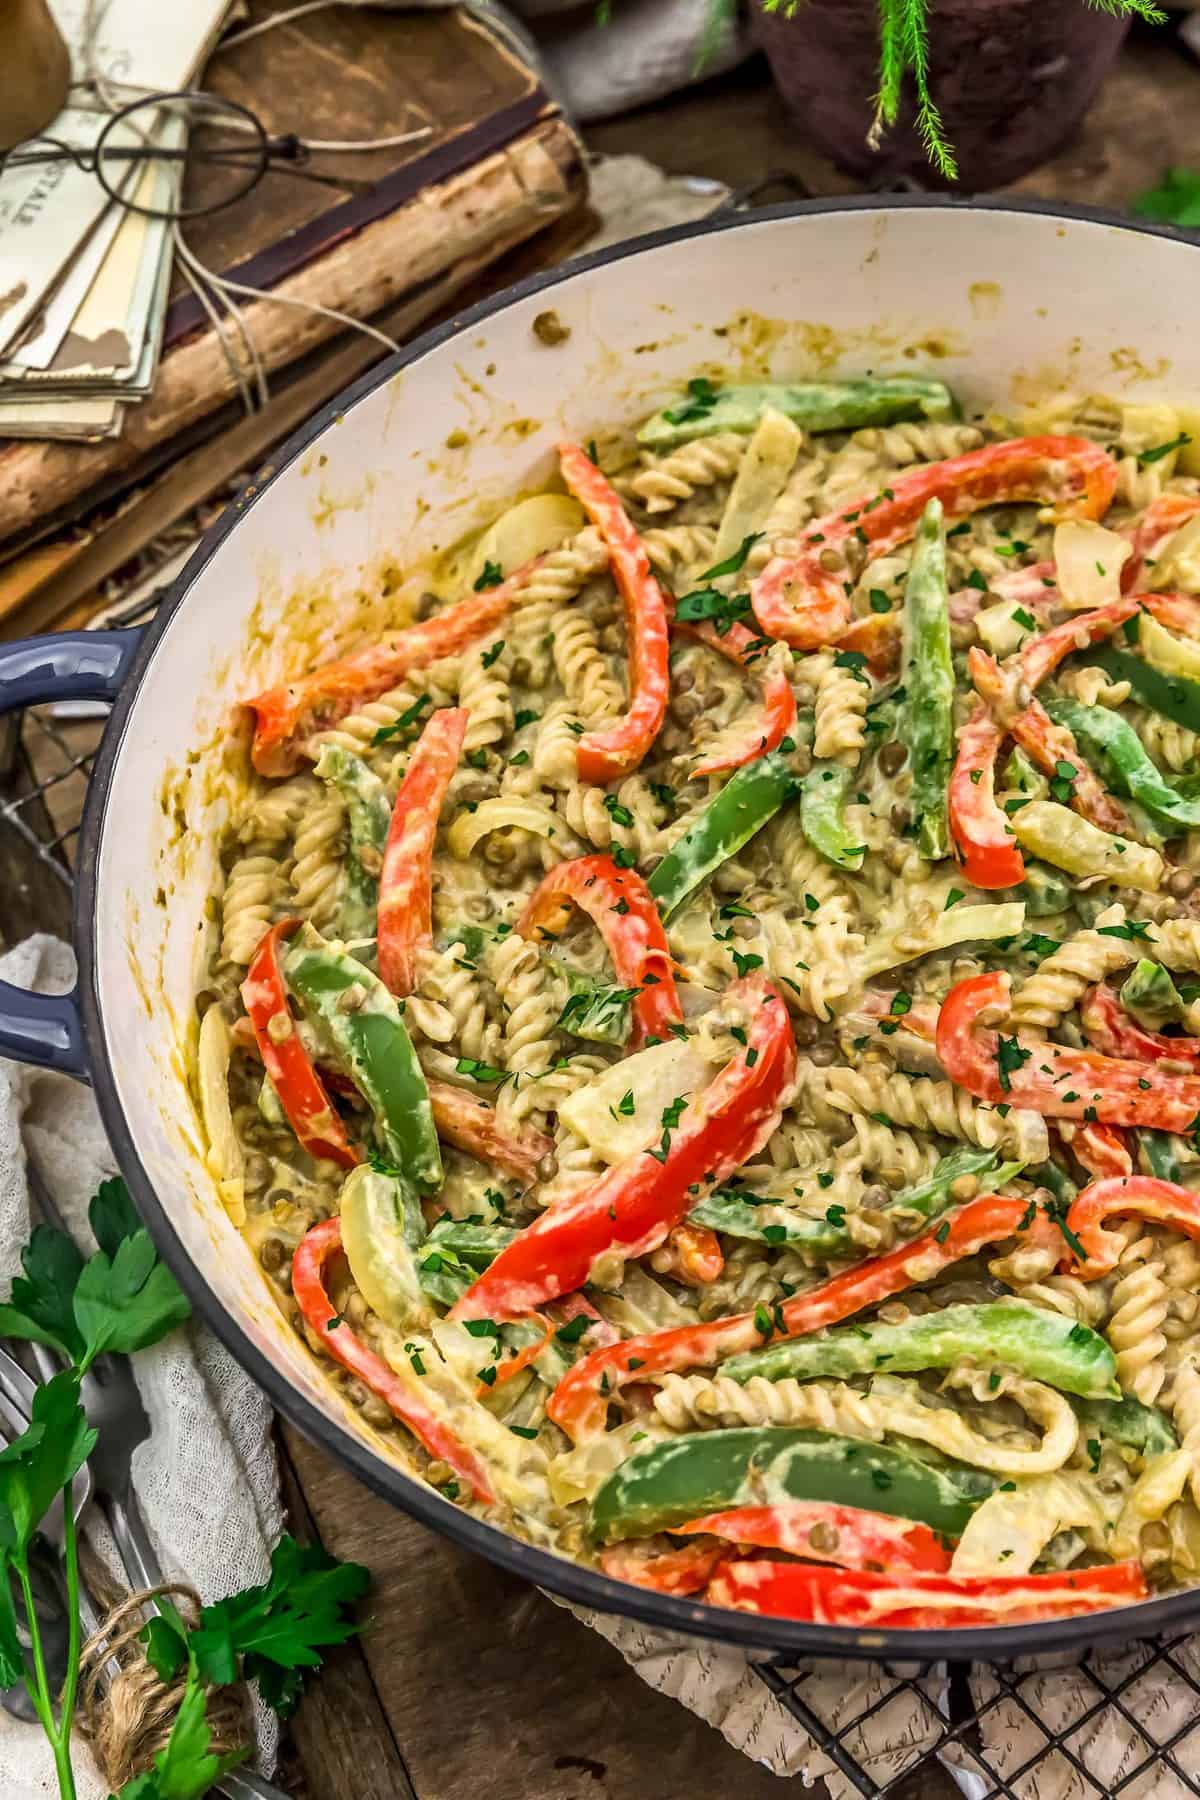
[(495, 164)]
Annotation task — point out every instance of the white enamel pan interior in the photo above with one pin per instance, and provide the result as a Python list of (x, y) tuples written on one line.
[(1005, 303)]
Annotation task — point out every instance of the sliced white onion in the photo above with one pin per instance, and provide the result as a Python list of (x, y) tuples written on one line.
[(1088, 562), (224, 1155)]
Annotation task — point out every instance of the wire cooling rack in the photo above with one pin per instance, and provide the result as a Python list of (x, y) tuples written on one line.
[(1124, 1725)]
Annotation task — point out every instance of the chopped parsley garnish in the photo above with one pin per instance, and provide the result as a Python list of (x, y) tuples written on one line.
[(702, 399), (403, 721), (1009, 1058), (480, 1071), (733, 563), (491, 577)]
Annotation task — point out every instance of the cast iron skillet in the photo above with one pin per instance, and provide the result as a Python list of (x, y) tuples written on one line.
[(110, 665)]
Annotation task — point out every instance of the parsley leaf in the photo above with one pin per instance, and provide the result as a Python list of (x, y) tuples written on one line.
[(480, 1071), (404, 721), (1158, 451), (1009, 1058), (709, 603), (703, 397), (491, 577), (39, 1309), (36, 1466), (733, 563), (123, 1298), (186, 1768)]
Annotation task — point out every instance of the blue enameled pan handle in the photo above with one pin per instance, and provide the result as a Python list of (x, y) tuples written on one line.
[(68, 665)]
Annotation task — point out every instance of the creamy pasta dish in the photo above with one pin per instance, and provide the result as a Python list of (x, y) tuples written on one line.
[(705, 1036)]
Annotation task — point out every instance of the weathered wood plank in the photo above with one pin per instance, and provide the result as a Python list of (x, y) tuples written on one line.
[(339, 1745)]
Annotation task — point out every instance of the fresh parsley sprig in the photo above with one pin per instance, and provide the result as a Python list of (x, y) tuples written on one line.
[(120, 1299)]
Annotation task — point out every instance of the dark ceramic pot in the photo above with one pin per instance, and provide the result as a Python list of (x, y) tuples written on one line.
[(1012, 79)]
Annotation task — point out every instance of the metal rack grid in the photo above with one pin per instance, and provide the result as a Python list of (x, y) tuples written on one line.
[(44, 768), (966, 1711)]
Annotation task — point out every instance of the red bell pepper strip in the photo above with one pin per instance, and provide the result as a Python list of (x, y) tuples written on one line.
[(919, 1602), (686, 1570), (1162, 517), (624, 912), (615, 751), (406, 880), (512, 1365), (990, 856), (1097, 1251), (579, 1404), (285, 715), (798, 599), (1111, 1030), (633, 1206), (470, 1124), (1046, 743), (877, 637), (1178, 612), (1103, 1150), (764, 730), (303, 1098), (692, 1254), (1060, 1083), (316, 1250), (823, 1531), (1042, 654), (1029, 587)]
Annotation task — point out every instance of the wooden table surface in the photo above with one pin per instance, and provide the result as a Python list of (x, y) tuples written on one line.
[(469, 1685)]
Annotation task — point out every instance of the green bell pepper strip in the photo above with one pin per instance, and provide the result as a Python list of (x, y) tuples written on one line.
[(1034, 1341), (368, 813), (927, 717), (1045, 891), (827, 1239), (360, 1021), (1158, 1155), (823, 815), (813, 405), (1149, 994), (1129, 764), (1053, 1176), (1126, 1421), (686, 1477), (1174, 696), (748, 801)]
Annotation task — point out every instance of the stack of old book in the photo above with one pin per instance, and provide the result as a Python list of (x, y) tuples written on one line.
[(494, 184), (85, 277)]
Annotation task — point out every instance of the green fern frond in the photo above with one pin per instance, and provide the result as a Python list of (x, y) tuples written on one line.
[(914, 42), (1141, 9), (904, 50), (891, 70)]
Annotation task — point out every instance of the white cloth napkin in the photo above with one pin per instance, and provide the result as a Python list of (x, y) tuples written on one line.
[(206, 1475)]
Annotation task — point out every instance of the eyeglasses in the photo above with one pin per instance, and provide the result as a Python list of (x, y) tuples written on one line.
[(221, 146)]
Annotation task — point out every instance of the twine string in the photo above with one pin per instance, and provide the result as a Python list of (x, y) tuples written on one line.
[(127, 1719), (214, 291)]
